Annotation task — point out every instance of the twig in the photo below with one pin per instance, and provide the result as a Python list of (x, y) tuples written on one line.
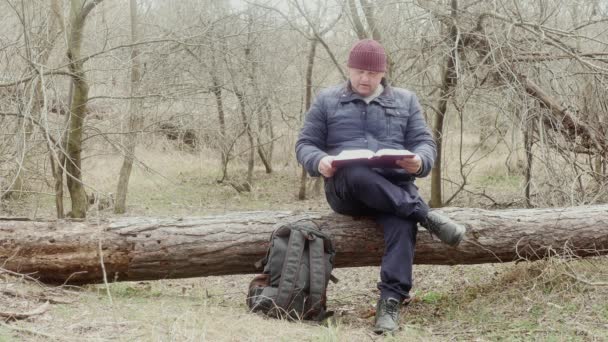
[(73, 275), (17, 315), (30, 331), (585, 281), (105, 276), (39, 297), (28, 277)]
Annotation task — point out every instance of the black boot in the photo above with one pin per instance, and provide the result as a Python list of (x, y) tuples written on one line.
[(444, 228), (387, 316)]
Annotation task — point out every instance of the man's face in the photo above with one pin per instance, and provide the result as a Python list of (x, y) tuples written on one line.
[(364, 82)]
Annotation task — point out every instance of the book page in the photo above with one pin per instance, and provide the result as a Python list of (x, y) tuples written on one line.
[(393, 152), (354, 154)]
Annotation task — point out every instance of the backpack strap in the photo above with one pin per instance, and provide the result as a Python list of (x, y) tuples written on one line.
[(291, 267), (259, 265), (317, 272)]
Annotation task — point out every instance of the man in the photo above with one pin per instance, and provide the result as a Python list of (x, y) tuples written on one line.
[(367, 113)]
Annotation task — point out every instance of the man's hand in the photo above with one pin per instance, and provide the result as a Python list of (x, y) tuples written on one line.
[(325, 166), (411, 165)]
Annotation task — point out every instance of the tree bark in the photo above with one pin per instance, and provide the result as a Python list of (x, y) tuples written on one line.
[(312, 51), (264, 115), (450, 78), (269, 129), (247, 126), (78, 13), (368, 11), (357, 24), (217, 92), (135, 117), (155, 248), (58, 153)]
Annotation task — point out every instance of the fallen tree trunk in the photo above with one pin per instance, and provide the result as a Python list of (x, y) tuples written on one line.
[(154, 248)]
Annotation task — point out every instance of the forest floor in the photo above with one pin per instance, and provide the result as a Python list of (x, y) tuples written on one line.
[(557, 299)]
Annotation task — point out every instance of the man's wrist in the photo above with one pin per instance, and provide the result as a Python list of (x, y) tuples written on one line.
[(420, 168), (319, 162)]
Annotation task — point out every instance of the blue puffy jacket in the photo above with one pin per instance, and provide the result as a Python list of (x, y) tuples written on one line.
[(340, 120)]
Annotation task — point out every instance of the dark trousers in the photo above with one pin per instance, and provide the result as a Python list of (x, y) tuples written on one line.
[(396, 207)]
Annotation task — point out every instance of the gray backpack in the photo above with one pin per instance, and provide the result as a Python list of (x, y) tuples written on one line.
[(297, 269)]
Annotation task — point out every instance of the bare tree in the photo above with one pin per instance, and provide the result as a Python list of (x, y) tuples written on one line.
[(135, 117), (450, 77), (79, 10), (312, 50)]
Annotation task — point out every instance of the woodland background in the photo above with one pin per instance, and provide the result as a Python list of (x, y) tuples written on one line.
[(187, 107)]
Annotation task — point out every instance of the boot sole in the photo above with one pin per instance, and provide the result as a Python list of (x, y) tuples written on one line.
[(382, 331)]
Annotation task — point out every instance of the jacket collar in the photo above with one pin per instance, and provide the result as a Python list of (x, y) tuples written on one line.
[(386, 98)]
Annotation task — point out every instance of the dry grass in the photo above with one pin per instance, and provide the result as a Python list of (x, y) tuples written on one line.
[(525, 301)]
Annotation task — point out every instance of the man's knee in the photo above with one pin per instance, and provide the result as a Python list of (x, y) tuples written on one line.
[(356, 175)]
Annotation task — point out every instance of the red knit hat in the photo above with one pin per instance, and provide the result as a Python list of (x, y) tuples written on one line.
[(367, 54)]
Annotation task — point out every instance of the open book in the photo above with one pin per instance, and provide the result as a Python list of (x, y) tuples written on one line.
[(385, 158)]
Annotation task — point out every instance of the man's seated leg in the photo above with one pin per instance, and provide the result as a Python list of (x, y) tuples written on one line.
[(396, 269), (360, 184), (343, 203)]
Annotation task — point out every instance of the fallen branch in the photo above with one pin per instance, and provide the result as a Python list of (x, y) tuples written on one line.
[(23, 315), (585, 281), (30, 331), (40, 297)]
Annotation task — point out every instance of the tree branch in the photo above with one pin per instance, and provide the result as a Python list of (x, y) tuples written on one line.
[(29, 78)]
